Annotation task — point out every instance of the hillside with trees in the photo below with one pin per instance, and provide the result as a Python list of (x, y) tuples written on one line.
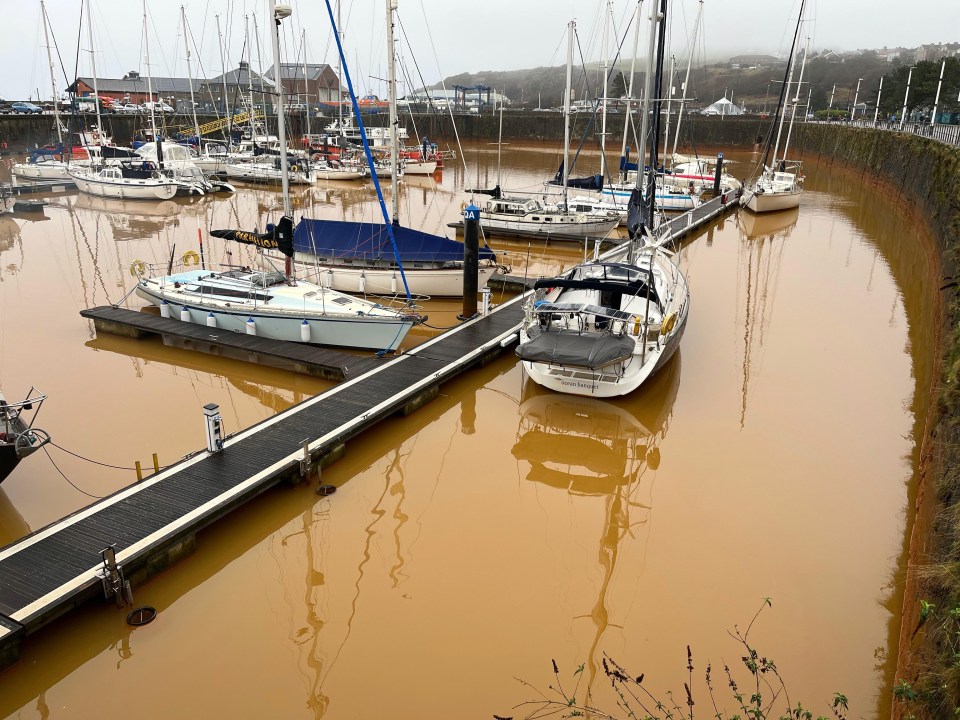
[(826, 76)]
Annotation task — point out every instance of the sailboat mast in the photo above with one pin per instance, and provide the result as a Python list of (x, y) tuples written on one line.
[(278, 74), (193, 105), (306, 87), (394, 120), (647, 89), (93, 68), (223, 74), (339, 72), (666, 130), (571, 29), (655, 105), (607, 21), (633, 65), (686, 79), (153, 121), (276, 16), (53, 79), (796, 99), (784, 89)]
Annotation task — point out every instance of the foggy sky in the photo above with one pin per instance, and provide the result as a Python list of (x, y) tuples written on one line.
[(443, 37)]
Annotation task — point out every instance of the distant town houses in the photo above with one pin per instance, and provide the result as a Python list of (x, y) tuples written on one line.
[(931, 51)]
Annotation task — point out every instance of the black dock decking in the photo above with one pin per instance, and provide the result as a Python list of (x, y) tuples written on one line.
[(154, 521)]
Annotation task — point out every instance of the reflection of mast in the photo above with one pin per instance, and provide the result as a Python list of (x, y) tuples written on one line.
[(758, 273), (590, 448)]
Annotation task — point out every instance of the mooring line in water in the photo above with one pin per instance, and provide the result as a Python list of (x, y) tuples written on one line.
[(74, 485)]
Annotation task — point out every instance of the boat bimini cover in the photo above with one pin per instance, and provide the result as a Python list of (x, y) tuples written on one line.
[(568, 347)]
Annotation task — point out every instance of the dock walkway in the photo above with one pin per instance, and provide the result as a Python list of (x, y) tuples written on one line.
[(154, 522)]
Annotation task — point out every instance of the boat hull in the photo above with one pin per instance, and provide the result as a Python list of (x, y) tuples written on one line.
[(42, 171), (575, 231), (416, 167), (601, 383), (368, 333), (129, 189), (433, 282), (770, 201)]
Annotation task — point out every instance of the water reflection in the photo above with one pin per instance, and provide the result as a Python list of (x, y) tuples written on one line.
[(762, 240), (596, 448), (275, 390)]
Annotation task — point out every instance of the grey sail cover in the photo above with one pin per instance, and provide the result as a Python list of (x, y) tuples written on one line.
[(587, 350)]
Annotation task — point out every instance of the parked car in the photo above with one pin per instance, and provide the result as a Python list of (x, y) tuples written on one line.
[(157, 107), (26, 108), (128, 109)]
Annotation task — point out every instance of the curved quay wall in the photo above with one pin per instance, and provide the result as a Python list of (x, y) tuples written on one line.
[(923, 171)]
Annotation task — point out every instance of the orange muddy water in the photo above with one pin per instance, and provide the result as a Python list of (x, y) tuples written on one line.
[(500, 527)]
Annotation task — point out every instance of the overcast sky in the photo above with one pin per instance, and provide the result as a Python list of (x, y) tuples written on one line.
[(443, 37)]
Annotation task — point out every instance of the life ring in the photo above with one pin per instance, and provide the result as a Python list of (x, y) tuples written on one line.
[(138, 268), (191, 258), (668, 322)]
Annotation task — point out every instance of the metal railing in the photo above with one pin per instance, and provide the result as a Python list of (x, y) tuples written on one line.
[(947, 134)]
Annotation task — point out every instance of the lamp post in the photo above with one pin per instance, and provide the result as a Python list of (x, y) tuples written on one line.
[(906, 95), (933, 115), (876, 112), (856, 96)]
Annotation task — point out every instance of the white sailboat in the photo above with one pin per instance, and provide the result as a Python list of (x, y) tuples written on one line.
[(603, 328), (272, 303), (528, 216), (780, 184)]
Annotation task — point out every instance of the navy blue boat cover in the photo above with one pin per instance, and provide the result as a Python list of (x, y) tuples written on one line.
[(369, 241)]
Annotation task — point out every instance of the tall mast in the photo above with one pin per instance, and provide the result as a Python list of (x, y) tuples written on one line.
[(656, 101), (783, 90), (306, 87), (93, 68), (686, 79), (256, 40), (633, 65), (796, 98), (571, 29), (223, 74), (153, 121), (666, 131), (53, 80), (193, 105), (394, 121), (647, 89), (607, 21), (276, 14), (277, 75), (339, 71)]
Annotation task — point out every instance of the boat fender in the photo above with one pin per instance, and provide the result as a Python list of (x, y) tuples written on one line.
[(668, 324), (191, 258), (138, 268)]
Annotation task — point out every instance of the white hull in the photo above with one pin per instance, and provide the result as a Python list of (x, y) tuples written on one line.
[(259, 173), (439, 282), (336, 174), (771, 201), (370, 328), (50, 170), (560, 230), (573, 340), (125, 188), (411, 167), (667, 201), (599, 384)]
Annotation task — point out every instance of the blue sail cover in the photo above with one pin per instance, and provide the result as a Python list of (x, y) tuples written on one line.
[(343, 239)]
